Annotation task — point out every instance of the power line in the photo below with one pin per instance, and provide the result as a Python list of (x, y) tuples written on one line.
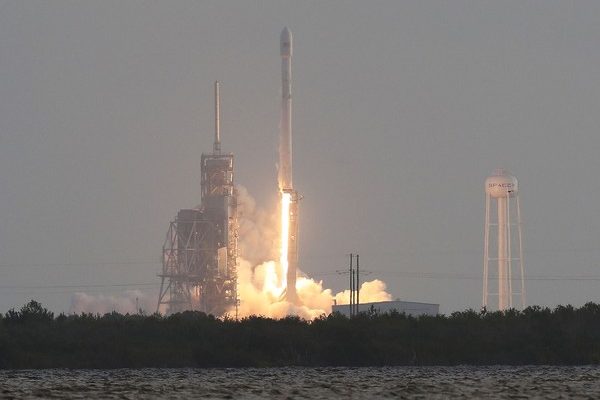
[(87, 291), (467, 276), (78, 264), (79, 286)]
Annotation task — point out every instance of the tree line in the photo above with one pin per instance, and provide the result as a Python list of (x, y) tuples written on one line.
[(34, 337)]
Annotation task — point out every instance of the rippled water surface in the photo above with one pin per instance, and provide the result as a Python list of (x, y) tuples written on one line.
[(307, 383)]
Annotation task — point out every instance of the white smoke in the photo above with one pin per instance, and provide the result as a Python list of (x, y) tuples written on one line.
[(128, 302), (259, 246), (372, 291), (256, 298), (257, 276), (257, 230)]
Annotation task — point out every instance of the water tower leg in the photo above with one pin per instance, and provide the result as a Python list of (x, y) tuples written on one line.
[(509, 253), (522, 267), (502, 272), (486, 250)]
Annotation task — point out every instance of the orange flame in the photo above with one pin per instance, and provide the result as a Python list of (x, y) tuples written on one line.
[(286, 199)]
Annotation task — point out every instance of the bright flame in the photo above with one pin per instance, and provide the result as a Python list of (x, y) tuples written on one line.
[(262, 280), (270, 284), (286, 199)]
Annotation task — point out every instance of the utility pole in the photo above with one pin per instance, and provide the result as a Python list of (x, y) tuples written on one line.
[(354, 278), (357, 284), (351, 274)]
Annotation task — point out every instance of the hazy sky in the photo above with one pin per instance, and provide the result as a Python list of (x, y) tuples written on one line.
[(401, 109)]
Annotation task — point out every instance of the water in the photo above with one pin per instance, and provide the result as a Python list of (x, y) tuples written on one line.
[(306, 383)]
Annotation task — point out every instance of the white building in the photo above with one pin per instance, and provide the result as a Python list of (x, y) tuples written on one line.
[(407, 307)]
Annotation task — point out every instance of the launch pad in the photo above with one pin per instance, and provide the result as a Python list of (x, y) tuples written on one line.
[(200, 251)]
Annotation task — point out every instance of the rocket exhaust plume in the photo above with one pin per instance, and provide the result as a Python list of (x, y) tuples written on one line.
[(260, 271), (289, 197), (269, 282), (257, 273)]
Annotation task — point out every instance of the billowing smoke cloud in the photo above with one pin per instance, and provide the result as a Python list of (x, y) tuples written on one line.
[(257, 230), (258, 276), (257, 297), (258, 272), (125, 303), (372, 291)]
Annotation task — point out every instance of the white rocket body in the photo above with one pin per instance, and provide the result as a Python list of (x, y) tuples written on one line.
[(285, 140), (285, 164)]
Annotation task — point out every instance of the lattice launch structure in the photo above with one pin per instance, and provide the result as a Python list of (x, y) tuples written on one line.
[(200, 251)]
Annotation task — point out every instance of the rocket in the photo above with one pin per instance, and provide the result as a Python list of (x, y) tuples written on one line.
[(286, 186), (285, 140)]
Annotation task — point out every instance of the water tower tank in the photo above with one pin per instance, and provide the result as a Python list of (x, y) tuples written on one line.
[(501, 184)]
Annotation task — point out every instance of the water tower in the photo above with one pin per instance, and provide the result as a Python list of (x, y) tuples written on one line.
[(503, 244)]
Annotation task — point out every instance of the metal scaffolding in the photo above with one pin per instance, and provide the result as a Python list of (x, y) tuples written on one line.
[(200, 251)]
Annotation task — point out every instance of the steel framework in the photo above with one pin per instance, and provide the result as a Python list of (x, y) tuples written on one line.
[(200, 251)]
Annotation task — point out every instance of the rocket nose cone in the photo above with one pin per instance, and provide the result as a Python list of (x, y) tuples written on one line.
[(286, 35), (286, 42)]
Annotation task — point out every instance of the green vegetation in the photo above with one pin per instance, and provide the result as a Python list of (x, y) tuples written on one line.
[(34, 338)]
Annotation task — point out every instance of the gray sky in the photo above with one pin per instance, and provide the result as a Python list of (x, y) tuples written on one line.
[(401, 109)]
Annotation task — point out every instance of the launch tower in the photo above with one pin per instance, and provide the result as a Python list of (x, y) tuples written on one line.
[(200, 250)]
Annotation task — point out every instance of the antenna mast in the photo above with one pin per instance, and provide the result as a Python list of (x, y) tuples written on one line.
[(217, 144)]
